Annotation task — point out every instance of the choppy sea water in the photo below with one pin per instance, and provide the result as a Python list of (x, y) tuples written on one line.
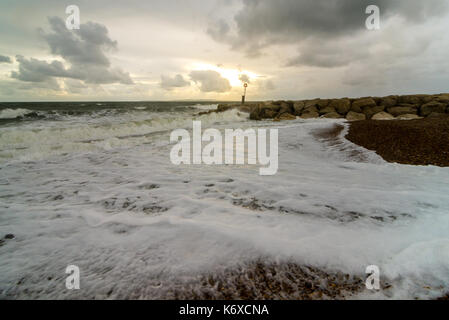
[(92, 185)]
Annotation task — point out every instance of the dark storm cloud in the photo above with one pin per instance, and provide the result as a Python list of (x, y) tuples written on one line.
[(262, 23), (219, 31), (177, 81), (210, 81), (329, 54), (324, 17), (83, 49), (5, 59), (83, 46), (34, 70)]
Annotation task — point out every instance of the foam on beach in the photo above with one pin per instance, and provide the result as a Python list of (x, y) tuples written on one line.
[(13, 113), (140, 227), (78, 134)]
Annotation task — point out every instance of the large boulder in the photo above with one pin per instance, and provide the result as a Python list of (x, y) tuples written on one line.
[(414, 106), (286, 107), (268, 111), (310, 109), (377, 100), (371, 111), (443, 98), (389, 101), (332, 115), (436, 115), (285, 116), (397, 111), (411, 99), (256, 113), (268, 114), (430, 107), (224, 107), (354, 116), (342, 106), (382, 116), (327, 110), (298, 107), (408, 117), (273, 107), (322, 103), (310, 115), (426, 98), (359, 104), (311, 103)]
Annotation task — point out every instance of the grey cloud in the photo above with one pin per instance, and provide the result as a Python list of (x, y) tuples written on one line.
[(262, 23), (5, 59), (50, 84), (383, 49), (210, 81), (268, 85), (244, 78), (362, 76), (23, 89), (83, 46), (75, 86), (330, 53), (219, 31), (99, 74), (175, 82), (83, 49), (264, 84), (34, 70)]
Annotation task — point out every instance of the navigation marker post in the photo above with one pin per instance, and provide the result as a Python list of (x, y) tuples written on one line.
[(245, 85)]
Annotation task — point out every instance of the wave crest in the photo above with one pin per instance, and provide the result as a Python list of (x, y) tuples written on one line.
[(14, 113)]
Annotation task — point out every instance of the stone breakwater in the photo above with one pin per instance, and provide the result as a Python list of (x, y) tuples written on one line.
[(405, 107)]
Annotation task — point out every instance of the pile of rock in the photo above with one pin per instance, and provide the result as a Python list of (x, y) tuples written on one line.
[(375, 108)]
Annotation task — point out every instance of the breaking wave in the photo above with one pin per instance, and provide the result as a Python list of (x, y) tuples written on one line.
[(118, 130), (14, 113)]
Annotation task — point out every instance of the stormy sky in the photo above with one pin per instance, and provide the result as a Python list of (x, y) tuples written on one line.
[(198, 49)]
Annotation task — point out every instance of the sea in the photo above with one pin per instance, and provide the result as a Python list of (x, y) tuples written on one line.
[(91, 184)]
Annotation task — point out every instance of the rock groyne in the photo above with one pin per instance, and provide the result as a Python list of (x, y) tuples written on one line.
[(404, 107)]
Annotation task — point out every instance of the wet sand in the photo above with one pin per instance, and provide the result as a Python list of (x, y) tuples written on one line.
[(415, 142), (270, 281)]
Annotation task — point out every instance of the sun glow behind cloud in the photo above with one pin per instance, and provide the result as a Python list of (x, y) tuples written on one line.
[(230, 74)]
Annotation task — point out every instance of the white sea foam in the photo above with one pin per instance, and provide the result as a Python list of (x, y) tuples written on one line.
[(38, 141), (137, 225), (206, 106), (13, 113)]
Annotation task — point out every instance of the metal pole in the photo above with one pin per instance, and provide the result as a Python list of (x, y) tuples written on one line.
[(244, 93)]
